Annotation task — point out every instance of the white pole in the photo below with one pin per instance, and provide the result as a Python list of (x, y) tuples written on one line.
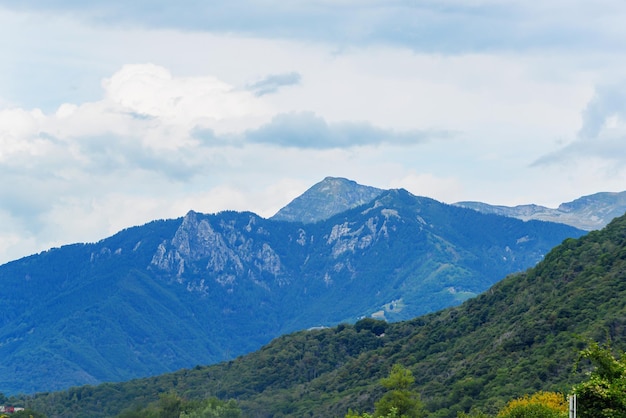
[(572, 406)]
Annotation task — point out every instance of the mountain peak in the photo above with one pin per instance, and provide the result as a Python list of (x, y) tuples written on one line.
[(327, 198)]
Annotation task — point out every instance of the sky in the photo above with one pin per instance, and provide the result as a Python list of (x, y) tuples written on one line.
[(116, 113)]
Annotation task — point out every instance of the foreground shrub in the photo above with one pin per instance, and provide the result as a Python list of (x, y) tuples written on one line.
[(538, 405)]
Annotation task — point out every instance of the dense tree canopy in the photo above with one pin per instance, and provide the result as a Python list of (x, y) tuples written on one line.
[(603, 394), (171, 405)]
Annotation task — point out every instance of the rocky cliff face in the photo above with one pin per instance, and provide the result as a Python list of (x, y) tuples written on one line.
[(224, 254)]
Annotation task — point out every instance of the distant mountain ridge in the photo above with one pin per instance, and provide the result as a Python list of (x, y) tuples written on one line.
[(329, 197), (588, 212), (206, 288), (334, 195)]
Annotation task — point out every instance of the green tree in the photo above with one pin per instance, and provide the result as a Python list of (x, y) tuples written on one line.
[(214, 408), (392, 414), (27, 413), (472, 414), (376, 326), (169, 406), (603, 394), (400, 401)]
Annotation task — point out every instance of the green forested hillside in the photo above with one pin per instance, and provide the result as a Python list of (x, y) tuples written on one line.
[(521, 336)]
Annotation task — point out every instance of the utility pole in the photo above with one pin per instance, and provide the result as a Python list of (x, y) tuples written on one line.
[(572, 406)]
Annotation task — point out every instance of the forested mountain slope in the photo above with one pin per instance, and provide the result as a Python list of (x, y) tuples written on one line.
[(520, 336)]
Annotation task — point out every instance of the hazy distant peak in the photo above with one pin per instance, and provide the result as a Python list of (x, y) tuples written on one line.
[(587, 212), (598, 201)]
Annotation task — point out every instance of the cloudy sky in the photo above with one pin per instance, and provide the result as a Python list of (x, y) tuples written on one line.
[(114, 113)]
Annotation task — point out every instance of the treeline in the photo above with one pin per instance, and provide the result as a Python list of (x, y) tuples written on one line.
[(601, 395), (172, 406)]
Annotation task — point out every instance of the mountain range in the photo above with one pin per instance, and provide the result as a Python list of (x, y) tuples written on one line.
[(334, 195), (209, 287), (521, 336), (588, 212)]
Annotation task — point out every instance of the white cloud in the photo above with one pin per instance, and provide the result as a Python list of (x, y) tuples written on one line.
[(602, 135), (144, 110), (150, 91), (18, 133), (606, 111)]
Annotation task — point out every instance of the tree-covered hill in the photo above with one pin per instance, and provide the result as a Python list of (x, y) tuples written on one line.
[(520, 336)]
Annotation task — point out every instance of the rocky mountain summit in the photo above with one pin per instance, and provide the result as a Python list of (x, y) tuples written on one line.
[(327, 198), (588, 212)]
